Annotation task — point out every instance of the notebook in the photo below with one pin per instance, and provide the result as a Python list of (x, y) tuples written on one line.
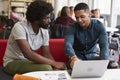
[(89, 68)]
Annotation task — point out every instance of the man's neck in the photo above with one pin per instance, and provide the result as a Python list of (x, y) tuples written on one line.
[(35, 27)]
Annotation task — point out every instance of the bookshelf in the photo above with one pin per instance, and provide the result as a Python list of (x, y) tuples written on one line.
[(21, 6)]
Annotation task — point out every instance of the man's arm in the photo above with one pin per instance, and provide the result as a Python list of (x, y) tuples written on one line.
[(46, 52), (103, 43), (28, 53), (69, 41)]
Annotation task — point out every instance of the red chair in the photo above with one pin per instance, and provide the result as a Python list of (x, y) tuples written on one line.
[(57, 50), (3, 44), (1, 26)]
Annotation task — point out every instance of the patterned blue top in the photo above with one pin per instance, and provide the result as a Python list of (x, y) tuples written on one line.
[(82, 42)]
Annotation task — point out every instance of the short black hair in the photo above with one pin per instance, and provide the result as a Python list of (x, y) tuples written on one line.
[(13, 7), (37, 10), (81, 6)]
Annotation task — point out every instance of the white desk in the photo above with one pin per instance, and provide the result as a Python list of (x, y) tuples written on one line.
[(110, 29), (50, 75), (110, 74)]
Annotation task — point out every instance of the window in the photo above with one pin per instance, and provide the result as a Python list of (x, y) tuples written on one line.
[(103, 5)]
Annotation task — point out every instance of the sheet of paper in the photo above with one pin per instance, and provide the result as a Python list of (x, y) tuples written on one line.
[(50, 75)]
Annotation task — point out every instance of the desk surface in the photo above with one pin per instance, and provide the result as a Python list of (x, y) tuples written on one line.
[(110, 74), (110, 29), (50, 75)]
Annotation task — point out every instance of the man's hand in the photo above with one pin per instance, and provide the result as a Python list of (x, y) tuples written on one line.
[(72, 61), (59, 66)]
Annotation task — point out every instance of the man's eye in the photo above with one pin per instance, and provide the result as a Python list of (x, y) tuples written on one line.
[(82, 16)]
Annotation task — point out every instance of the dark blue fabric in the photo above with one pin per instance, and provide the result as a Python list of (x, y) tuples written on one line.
[(4, 76), (82, 42)]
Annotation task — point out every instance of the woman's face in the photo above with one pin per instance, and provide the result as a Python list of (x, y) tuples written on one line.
[(97, 13), (68, 11)]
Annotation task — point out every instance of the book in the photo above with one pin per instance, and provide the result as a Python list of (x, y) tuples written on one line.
[(50, 75)]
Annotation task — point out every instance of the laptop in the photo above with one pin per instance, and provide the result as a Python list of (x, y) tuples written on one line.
[(89, 68)]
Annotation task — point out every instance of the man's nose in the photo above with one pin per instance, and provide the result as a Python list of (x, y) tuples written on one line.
[(79, 19)]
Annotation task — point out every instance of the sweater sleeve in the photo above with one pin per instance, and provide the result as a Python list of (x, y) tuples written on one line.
[(103, 43), (69, 40)]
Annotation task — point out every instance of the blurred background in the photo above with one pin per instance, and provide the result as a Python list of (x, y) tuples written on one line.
[(110, 9)]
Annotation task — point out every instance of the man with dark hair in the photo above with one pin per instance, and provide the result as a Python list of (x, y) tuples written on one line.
[(82, 37), (26, 38)]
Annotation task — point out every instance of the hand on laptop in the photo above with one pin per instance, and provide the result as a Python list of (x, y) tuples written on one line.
[(72, 60)]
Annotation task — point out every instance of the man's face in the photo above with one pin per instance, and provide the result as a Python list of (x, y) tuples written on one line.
[(83, 18), (45, 21)]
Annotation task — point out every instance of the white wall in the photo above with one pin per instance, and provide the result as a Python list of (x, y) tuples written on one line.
[(114, 12), (58, 4), (103, 5), (4, 6)]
